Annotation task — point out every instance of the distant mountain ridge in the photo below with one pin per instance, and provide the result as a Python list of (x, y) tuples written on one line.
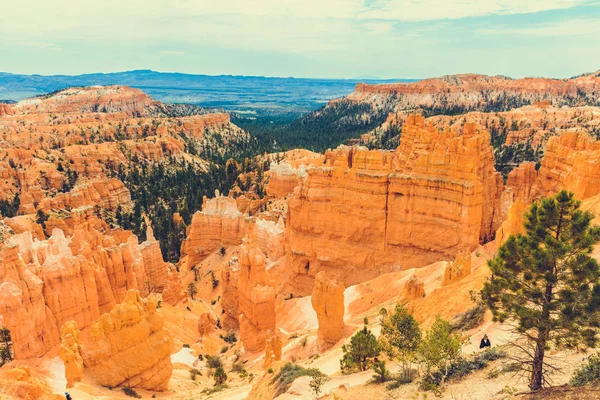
[(259, 94)]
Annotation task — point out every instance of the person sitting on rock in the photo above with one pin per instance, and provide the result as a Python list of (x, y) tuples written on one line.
[(485, 342)]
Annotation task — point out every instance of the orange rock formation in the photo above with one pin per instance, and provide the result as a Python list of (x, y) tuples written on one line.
[(571, 163), (414, 288), (218, 224), (46, 283), (457, 269), (70, 353), (156, 269), (174, 293), (129, 346), (328, 301), (283, 178), (19, 384), (248, 292), (367, 211), (273, 348), (471, 91)]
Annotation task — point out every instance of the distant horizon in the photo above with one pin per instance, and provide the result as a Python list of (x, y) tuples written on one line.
[(374, 78), (357, 78)]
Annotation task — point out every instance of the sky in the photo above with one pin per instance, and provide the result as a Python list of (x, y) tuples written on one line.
[(302, 38)]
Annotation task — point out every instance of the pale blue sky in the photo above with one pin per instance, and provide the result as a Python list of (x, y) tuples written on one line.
[(302, 38)]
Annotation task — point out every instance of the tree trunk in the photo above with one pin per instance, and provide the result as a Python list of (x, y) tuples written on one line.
[(537, 367), (537, 371)]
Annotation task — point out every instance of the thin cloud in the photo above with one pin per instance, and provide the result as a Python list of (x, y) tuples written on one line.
[(576, 27), (40, 45), (171, 53)]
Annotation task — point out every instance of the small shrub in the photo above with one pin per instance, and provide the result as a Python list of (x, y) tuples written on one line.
[(131, 392), (213, 302), (220, 376), (213, 362), (588, 373), (404, 378), (304, 341), (224, 349), (382, 374), (316, 383), (294, 336), (215, 282), (6, 352), (289, 373), (193, 373), (270, 370), (185, 345), (469, 319), (214, 389), (238, 368), (230, 337), (192, 290), (462, 367), (200, 357)]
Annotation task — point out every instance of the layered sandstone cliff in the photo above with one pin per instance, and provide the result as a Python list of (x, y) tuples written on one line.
[(365, 211)]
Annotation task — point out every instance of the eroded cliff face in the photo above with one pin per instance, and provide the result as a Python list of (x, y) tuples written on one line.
[(76, 278), (571, 162), (218, 224), (126, 347), (366, 212)]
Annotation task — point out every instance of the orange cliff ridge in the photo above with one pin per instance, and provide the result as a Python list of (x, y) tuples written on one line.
[(368, 212), (465, 85)]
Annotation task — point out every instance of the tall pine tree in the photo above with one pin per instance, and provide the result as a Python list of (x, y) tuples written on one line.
[(546, 282)]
